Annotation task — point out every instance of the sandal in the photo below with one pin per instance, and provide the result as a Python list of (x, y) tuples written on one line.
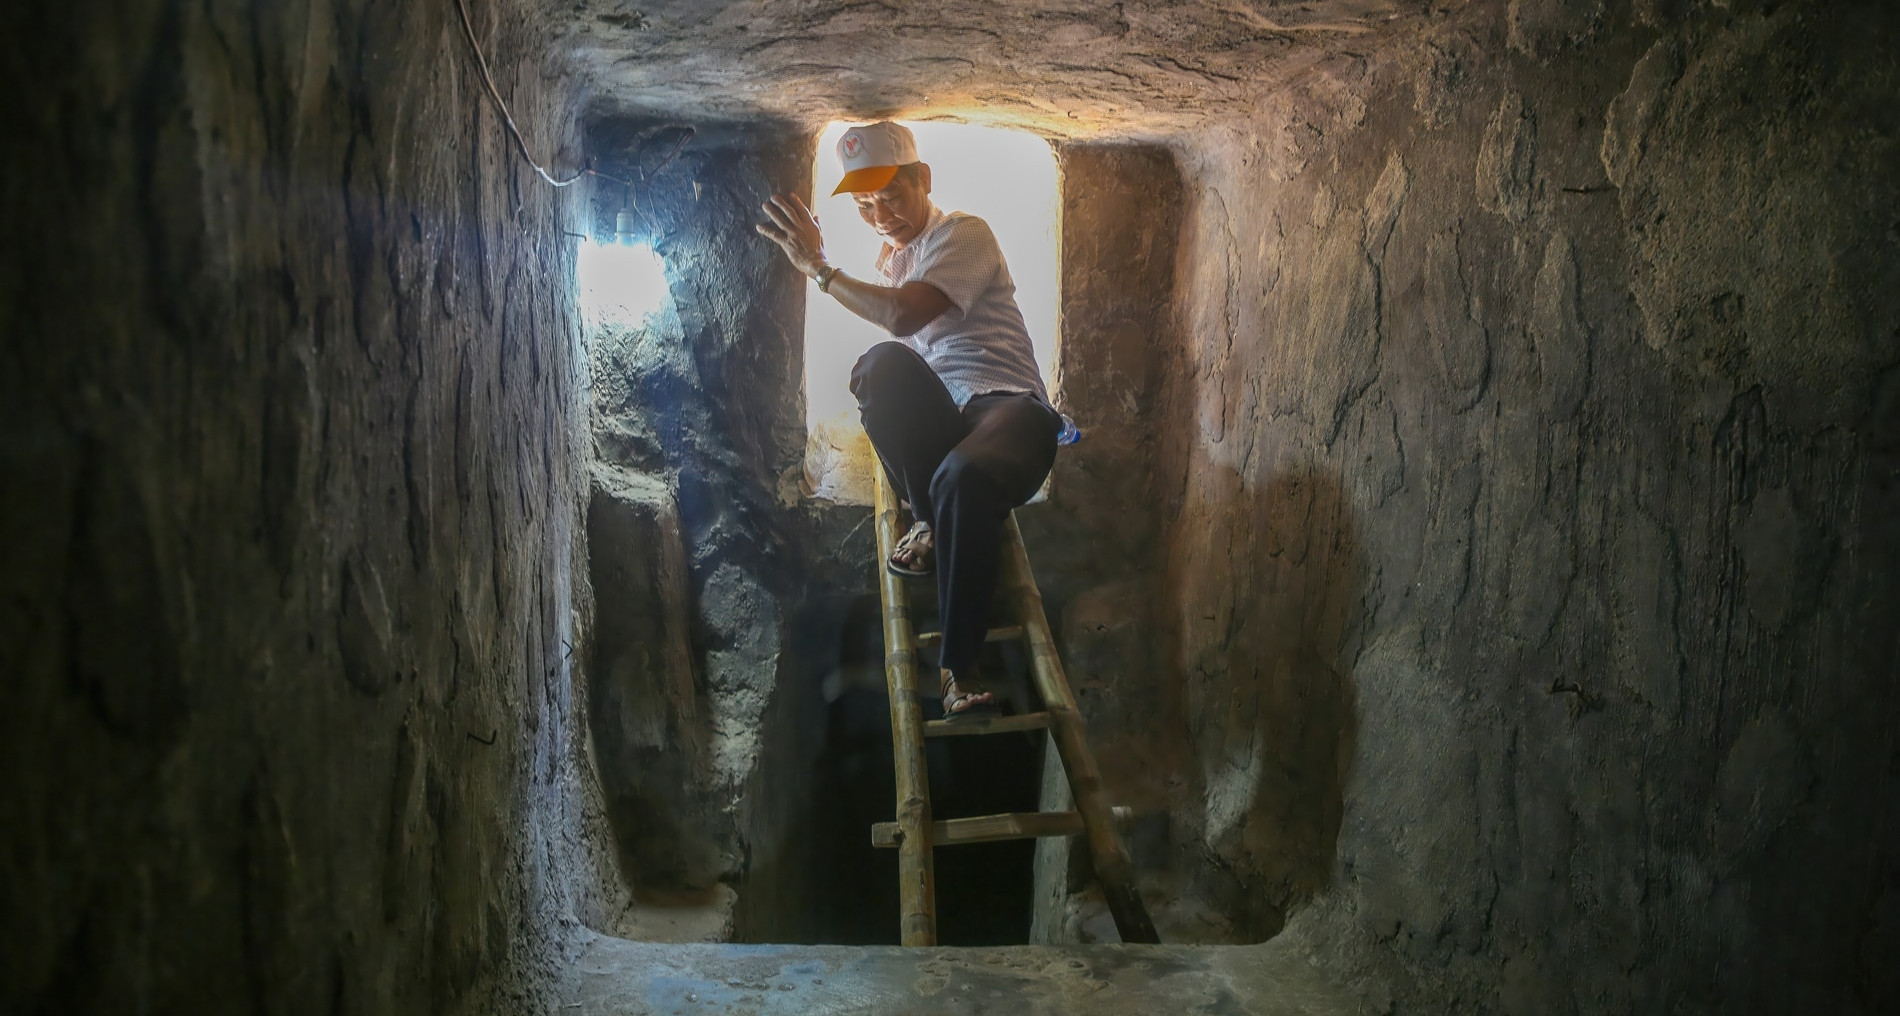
[(957, 703), (920, 546)]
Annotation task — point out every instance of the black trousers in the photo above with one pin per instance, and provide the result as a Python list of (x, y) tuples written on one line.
[(961, 469)]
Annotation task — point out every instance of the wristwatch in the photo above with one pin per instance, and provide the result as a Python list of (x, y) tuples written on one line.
[(825, 274)]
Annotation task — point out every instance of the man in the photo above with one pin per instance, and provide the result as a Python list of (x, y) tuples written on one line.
[(957, 409)]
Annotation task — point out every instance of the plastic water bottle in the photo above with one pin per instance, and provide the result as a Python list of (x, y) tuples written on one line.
[(1070, 432)]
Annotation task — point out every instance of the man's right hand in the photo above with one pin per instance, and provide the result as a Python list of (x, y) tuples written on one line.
[(795, 229)]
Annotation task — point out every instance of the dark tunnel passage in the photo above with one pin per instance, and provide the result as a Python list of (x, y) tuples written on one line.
[(984, 890)]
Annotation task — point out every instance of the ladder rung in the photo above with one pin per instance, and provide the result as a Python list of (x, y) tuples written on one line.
[(973, 725), (1014, 631), (1014, 825)]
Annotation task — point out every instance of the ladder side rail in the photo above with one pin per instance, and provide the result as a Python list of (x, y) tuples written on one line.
[(1113, 868), (917, 889)]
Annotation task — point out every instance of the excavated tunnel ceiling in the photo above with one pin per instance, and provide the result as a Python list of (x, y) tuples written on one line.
[(1061, 68)]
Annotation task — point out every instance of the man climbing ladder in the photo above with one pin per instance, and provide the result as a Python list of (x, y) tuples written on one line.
[(957, 409), (963, 426)]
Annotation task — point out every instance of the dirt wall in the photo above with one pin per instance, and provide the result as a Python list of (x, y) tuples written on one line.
[(1530, 559), (1098, 544), (290, 416)]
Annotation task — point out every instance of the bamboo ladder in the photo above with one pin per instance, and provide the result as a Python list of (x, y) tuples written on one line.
[(914, 834)]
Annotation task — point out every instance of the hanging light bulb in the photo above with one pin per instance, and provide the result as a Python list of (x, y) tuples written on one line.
[(623, 219), (622, 283)]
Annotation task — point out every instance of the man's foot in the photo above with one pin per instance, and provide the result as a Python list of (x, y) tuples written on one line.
[(964, 698), (914, 556)]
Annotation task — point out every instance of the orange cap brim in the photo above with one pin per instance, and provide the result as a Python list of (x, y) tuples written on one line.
[(870, 178)]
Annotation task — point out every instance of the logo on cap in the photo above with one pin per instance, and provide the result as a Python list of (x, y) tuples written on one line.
[(852, 143)]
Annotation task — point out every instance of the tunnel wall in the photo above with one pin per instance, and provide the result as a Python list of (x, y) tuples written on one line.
[(291, 395), (711, 718), (1530, 546), (1098, 544)]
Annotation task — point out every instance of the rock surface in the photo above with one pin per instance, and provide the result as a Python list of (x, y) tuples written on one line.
[(1061, 67), (1534, 530), (292, 453), (652, 716), (699, 433)]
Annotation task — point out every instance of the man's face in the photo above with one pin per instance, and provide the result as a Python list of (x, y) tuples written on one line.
[(901, 210)]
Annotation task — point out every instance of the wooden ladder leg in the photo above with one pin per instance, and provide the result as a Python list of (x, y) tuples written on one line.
[(1113, 869), (916, 881)]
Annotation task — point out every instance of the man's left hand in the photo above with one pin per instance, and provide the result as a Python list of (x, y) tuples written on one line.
[(795, 229)]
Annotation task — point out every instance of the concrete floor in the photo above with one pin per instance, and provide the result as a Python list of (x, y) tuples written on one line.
[(620, 978)]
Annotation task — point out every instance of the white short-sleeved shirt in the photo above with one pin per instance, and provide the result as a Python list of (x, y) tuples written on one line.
[(979, 344)]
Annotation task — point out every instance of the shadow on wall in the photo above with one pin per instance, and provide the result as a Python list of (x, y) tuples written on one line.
[(1268, 581)]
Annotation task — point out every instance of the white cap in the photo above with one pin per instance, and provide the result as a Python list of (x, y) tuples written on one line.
[(871, 155)]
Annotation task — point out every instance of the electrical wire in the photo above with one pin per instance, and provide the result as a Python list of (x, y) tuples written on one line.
[(681, 143), (626, 194), (521, 143)]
